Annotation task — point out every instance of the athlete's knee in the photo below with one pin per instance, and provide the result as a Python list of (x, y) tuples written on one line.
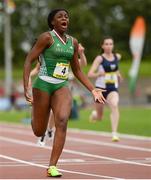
[(113, 103), (96, 115), (100, 117), (62, 127), (62, 122), (37, 130), (38, 133)]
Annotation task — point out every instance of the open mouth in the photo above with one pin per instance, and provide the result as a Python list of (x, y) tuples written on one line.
[(64, 24)]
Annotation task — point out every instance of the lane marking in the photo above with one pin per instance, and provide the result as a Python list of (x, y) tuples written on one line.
[(71, 160), (108, 144), (13, 165), (82, 131), (107, 134), (16, 131), (28, 143), (67, 171)]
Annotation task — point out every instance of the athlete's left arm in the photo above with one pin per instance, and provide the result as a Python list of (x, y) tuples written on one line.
[(75, 66)]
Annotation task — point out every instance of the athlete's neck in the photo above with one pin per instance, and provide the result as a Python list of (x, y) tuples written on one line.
[(61, 36), (108, 55)]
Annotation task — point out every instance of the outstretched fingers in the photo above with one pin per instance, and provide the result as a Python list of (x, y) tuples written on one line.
[(98, 96)]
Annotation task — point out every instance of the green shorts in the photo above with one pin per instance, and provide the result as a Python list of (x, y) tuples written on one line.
[(48, 87)]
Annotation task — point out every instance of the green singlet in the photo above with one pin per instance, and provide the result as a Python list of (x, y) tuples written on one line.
[(55, 61)]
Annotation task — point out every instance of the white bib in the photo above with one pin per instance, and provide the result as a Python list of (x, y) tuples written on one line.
[(61, 71), (111, 78)]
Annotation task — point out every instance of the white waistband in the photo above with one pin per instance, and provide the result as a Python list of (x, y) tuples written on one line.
[(51, 79)]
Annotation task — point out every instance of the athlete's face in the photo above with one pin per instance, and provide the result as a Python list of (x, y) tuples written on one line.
[(61, 21), (108, 45)]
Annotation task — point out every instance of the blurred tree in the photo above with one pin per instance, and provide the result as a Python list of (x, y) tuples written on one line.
[(90, 20), (116, 18)]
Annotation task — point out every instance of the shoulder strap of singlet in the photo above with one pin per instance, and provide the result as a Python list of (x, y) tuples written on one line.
[(116, 58), (103, 58), (70, 37), (52, 34)]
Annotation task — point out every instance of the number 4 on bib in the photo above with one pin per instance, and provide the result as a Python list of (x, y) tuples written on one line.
[(61, 71)]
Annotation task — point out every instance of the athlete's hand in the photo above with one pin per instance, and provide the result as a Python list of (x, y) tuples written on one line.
[(28, 96), (98, 96)]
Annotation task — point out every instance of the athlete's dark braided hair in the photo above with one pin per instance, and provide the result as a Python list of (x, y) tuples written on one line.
[(52, 14)]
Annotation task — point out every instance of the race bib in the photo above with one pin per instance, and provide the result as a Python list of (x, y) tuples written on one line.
[(61, 71), (111, 78)]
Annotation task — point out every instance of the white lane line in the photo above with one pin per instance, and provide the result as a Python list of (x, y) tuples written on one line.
[(67, 171), (107, 134), (16, 131), (28, 143), (106, 158), (13, 165), (109, 144), (82, 131)]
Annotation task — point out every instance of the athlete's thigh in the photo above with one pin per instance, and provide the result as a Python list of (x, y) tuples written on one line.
[(113, 98), (41, 108), (61, 102)]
